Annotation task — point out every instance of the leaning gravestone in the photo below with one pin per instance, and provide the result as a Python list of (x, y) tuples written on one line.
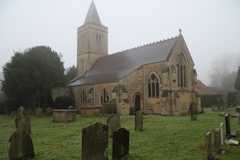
[(49, 112), (20, 146), (30, 111), (139, 121), (21, 111), (193, 111), (208, 145), (222, 133), (113, 122), (217, 141), (38, 112), (120, 143), (95, 142), (23, 122)]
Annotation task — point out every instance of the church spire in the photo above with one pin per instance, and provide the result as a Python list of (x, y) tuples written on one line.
[(92, 15)]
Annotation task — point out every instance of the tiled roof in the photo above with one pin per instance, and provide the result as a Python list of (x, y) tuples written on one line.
[(92, 15), (202, 89), (113, 67)]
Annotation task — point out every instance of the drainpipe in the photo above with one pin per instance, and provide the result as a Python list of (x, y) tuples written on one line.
[(144, 105), (76, 97), (94, 94)]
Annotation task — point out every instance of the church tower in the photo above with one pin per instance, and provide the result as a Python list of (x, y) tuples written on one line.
[(92, 41)]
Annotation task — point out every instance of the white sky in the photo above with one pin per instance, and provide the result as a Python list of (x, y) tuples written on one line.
[(209, 27)]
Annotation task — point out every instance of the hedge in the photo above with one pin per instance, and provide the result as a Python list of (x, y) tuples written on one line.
[(209, 100)]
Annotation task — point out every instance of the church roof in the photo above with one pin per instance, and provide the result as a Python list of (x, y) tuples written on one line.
[(114, 67), (92, 15), (203, 89)]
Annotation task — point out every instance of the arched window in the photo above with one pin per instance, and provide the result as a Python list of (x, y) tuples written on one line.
[(153, 86), (104, 96), (181, 71), (83, 96)]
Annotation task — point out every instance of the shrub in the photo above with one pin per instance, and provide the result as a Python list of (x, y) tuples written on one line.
[(210, 100), (63, 102), (232, 97)]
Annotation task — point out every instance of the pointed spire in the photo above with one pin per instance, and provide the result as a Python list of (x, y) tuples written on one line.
[(92, 15)]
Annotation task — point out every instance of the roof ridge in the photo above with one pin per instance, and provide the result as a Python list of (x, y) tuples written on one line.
[(144, 45)]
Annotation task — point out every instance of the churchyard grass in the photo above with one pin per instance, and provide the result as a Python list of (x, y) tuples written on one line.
[(163, 137)]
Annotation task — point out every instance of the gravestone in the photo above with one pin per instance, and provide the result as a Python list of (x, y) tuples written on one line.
[(21, 111), (193, 111), (208, 145), (14, 114), (20, 146), (222, 133), (95, 142), (38, 112), (120, 143), (30, 111), (113, 122), (23, 122), (229, 134), (217, 141), (218, 103), (139, 121), (49, 112)]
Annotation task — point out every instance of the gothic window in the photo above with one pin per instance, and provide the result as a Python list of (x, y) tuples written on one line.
[(83, 96), (181, 71), (104, 96), (153, 86), (98, 38)]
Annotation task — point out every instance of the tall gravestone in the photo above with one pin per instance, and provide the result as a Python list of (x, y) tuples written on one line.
[(208, 145), (113, 122), (139, 121), (120, 143), (193, 112), (21, 111), (95, 142), (23, 122), (20, 146), (222, 133), (218, 103), (228, 130), (217, 141), (38, 112)]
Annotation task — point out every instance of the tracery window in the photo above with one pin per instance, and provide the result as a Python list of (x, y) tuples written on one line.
[(83, 96), (153, 86), (104, 96), (182, 82)]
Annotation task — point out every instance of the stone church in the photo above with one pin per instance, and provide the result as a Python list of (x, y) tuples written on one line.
[(157, 78)]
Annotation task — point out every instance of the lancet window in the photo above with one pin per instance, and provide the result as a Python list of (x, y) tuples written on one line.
[(153, 86), (104, 96), (182, 81), (83, 96)]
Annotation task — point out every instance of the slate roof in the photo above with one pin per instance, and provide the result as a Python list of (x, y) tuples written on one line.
[(92, 15), (114, 67), (203, 89)]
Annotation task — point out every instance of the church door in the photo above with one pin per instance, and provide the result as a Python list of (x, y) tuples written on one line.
[(137, 103)]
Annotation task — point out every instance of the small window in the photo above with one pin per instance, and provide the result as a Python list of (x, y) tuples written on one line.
[(104, 96), (98, 38)]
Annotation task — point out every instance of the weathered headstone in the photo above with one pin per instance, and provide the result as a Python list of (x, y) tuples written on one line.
[(95, 142), (222, 133), (139, 121), (113, 122), (193, 111), (120, 143), (229, 134), (30, 111), (14, 114), (21, 111), (49, 112), (38, 112), (20, 146), (217, 141), (23, 122), (208, 145)]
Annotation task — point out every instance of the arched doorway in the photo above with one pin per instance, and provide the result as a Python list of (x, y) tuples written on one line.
[(137, 103)]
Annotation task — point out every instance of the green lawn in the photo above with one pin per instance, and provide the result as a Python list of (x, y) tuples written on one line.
[(163, 137)]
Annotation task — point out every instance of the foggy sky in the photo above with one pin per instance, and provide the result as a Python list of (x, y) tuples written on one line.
[(210, 28)]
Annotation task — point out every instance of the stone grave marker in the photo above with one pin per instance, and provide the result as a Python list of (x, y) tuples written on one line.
[(218, 103), (120, 143), (21, 111), (229, 134), (193, 112), (23, 122), (208, 145), (238, 110), (113, 122), (20, 146), (217, 141), (222, 133), (30, 111), (14, 114), (49, 112), (95, 142), (139, 121), (38, 112)]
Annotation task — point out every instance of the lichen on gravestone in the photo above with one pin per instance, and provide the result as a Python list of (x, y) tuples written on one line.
[(139, 121), (113, 122), (23, 122), (21, 111)]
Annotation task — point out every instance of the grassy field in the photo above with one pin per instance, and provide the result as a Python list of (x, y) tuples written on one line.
[(163, 137)]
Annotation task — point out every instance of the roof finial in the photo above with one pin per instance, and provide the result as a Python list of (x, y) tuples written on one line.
[(180, 30)]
